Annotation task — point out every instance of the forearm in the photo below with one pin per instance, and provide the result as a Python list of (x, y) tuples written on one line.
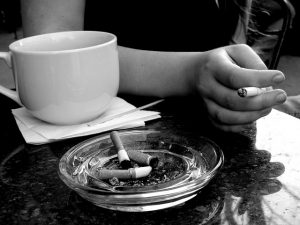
[(44, 16), (160, 74)]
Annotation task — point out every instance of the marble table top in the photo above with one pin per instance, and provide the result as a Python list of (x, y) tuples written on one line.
[(258, 184)]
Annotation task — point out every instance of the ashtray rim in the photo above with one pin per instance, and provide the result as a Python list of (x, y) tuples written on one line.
[(115, 197)]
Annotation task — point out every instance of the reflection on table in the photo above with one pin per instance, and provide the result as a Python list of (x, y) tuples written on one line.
[(258, 184)]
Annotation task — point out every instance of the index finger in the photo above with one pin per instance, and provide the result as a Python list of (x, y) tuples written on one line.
[(234, 76), (244, 56)]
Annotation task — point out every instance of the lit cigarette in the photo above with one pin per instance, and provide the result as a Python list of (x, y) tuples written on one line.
[(122, 154), (250, 91), (142, 158), (131, 173)]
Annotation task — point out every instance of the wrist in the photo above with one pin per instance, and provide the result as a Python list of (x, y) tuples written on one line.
[(197, 61)]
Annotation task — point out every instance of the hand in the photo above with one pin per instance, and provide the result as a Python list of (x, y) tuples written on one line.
[(291, 106), (223, 71)]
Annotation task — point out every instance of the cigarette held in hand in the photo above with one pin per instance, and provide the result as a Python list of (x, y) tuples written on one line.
[(250, 91), (122, 154), (131, 173)]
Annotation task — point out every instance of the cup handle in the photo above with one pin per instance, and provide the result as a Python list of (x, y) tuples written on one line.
[(13, 95)]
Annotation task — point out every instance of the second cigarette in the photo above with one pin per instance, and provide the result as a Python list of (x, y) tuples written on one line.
[(131, 173), (122, 154)]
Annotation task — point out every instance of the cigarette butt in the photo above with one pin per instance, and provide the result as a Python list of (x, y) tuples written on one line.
[(131, 173), (143, 158), (250, 91), (122, 154), (141, 171)]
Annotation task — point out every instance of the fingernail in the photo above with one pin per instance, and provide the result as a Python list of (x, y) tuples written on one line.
[(278, 78), (280, 98)]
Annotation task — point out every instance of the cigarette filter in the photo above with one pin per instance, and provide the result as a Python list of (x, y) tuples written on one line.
[(131, 173), (122, 154), (142, 158)]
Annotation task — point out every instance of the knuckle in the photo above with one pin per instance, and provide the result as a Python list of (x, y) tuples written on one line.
[(213, 58), (214, 113), (219, 116), (209, 65), (266, 101), (244, 46), (232, 79), (229, 102), (230, 128)]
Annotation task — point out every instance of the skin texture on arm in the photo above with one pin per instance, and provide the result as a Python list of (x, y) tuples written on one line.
[(44, 16), (154, 73), (214, 75)]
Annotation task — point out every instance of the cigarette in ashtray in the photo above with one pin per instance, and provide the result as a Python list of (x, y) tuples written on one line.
[(143, 158), (251, 91), (147, 161), (131, 173), (122, 154)]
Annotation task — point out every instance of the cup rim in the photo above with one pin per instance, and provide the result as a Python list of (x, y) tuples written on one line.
[(13, 46)]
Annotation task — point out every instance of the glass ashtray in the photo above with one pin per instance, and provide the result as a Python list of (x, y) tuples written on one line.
[(184, 167)]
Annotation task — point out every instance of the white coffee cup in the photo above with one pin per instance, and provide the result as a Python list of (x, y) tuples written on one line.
[(65, 77)]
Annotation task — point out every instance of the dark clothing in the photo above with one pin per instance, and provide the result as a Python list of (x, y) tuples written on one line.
[(165, 26)]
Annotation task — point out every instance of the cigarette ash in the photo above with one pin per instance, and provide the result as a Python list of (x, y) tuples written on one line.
[(169, 168), (176, 165)]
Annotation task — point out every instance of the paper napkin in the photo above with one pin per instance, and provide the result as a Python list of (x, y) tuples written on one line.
[(37, 132)]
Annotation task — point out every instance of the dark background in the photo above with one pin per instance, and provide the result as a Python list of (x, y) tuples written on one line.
[(10, 21), (292, 43)]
